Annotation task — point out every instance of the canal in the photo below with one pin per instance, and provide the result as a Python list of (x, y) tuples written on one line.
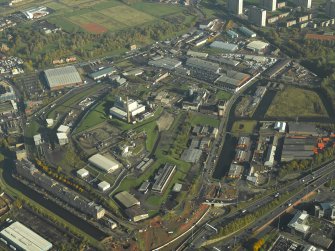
[(52, 206)]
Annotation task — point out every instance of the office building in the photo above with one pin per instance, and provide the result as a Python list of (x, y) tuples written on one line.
[(330, 8), (304, 4), (257, 16), (235, 6), (270, 5)]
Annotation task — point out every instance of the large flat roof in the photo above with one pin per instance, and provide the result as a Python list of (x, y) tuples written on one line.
[(126, 199), (25, 238), (62, 76), (103, 163)]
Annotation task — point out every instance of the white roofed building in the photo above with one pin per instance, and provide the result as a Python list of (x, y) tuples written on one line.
[(82, 173), (62, 77), (121, 107), (62, 138), (104, 186), (257, 46), (103, 163), (22, 238), (63, 129)]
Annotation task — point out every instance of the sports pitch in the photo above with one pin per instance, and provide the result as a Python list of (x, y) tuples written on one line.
[(106, 15)]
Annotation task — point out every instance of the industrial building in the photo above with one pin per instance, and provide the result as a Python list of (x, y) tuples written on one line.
[(103, 186), (235, 171), (203, 65), (62, 138), (226, 61), (191, 155), (82, 173), (231, 81), (136, 213), (22, 238), (196, 54), (270, 5), (298, 148), (36, 12), (330, 8), (62, 77), (103, 73), (144, 187), (235, 6), (166, 63), (194, 100), (27, 170), (257, 46), (246, 32), (126, 199), (126, 109), (232, 34), (257, 16), (298, 224), (103, 163), (163, 177), (224, 46), (302, 129), (6, 92)]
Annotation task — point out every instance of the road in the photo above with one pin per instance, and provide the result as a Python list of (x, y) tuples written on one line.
[(308, 183)]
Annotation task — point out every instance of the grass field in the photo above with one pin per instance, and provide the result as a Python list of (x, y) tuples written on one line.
[(106, 15), (244, 126), (295, 102), (199, 119), (223, 95)]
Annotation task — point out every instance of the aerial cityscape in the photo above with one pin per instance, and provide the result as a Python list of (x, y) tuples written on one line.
[(167, 125)]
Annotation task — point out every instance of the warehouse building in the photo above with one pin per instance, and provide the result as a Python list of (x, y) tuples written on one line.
[(103, 73), (302, 129), (22, 238), (166, 63), (235, 171), (224, 46), (27, 170), (298, 148), (257, 46), (163, 177), (203, 65), (103, 163), (191, 155), (222, 60), (246, 32), (62, 77), (196, 54), (36, 12), (126, 199), (232, 34), (82, 173), (103, 186), (136, 213), (232, 80)]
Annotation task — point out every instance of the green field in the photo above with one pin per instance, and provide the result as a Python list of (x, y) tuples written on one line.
[(244, 126), (199, 119), (223, 95), (295, 102), (106, 15)]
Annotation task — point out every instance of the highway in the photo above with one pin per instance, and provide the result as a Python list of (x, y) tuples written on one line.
[(307, 183)]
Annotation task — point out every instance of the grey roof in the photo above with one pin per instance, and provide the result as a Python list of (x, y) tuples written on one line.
[(224, 46), (126, 199), (62, 76), (24, 238), (103, 72), (203, 65), (167, 63), (246, 31), (191, 155)]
